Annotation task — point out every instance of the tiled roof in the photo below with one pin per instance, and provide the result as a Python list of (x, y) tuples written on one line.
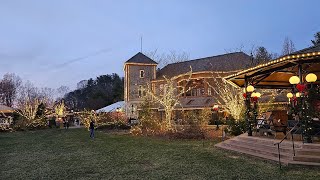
[(196, 102), (226, 62), (141, 58)]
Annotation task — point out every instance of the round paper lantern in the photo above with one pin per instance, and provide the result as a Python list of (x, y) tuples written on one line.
[(311, 78), (289, 95), (258, 94), (253, 94), (250, 89), (294, 80), (298, 94)]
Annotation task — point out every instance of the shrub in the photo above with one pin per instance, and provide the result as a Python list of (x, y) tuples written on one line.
[(194, 125), (4, 128), (235, 127), (113, 125), (149, 124), (37, 124), (136, 131), (188, 133), (20, 123)]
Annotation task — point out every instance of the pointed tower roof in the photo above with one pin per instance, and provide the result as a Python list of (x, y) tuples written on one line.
[(141, 59)]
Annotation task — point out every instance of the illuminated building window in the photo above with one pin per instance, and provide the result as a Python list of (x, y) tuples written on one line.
[(209, 91)]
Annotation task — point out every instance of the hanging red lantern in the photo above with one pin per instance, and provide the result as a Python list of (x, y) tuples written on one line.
[(301, 87), (244, 95)]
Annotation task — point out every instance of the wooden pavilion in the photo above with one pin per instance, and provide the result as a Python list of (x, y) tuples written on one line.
[(298, 73), (276, 74)]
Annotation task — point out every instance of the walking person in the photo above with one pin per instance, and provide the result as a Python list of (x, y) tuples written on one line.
[(64, 123), (91, 127)]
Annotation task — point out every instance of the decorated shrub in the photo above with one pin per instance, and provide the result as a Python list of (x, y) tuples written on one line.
[(149, 124)]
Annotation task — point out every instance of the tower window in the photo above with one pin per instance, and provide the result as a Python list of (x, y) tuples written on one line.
[(141, 73), (140, 91)]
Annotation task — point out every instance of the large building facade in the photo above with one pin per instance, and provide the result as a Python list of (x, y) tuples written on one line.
[(197, 93)]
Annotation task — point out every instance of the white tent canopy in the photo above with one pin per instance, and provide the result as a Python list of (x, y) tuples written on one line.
[(113, 107)]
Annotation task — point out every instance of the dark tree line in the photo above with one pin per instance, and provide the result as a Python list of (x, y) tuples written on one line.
[(96, 93)]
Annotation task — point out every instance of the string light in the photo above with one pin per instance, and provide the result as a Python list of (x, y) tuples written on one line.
[(273, 62)]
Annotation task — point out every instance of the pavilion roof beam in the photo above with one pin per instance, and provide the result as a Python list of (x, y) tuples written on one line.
[(287, 65), (261, 78)]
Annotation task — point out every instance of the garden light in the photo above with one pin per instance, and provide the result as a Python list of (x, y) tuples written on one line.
[(289, 95), (294, 80), (250, 89), (310, 78)]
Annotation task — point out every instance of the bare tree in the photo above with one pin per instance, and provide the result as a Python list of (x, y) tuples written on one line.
[(62, 91), (28, 101), (288, 47), (9, 86), (170, 97), (82, 84), (167, 58), (47, 94), (227, 95)]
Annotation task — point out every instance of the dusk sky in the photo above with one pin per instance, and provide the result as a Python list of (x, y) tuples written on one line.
[(41, 40)]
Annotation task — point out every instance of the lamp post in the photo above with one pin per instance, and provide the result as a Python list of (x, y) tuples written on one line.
[(249, 89), (254, 97), (303, 109), (215, 110)]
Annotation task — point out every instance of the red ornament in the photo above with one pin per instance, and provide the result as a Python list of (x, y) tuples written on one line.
[(244, 95), (301, 87), (255, 99)]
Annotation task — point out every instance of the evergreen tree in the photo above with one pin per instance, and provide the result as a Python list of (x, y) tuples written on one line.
[(97, 93), (41, 110), (261, 56), (316, 40)]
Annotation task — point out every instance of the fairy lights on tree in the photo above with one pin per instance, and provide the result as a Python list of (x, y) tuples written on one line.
[(227, 95), (170, 97)]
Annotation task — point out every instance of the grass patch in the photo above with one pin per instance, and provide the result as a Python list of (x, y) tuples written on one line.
[(60, 154)]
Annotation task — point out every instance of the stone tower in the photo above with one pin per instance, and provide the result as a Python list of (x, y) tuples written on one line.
[(138, 72)]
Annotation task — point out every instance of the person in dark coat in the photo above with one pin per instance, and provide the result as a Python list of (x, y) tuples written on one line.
[(91, 127)]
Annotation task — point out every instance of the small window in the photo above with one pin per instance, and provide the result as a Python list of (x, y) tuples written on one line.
[(140, 91), (141, 73), (161, 89)]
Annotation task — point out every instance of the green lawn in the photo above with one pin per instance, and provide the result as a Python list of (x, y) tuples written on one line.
[(60, 154)]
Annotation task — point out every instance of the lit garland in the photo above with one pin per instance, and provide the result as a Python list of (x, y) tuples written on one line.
[(282, 59)]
